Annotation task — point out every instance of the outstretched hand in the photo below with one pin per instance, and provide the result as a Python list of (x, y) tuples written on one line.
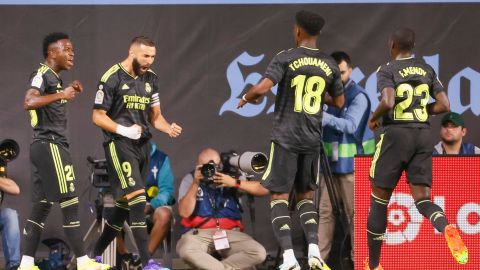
[(241, 103)]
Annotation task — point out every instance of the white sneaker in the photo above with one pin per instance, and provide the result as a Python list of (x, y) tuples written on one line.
[(317, 263)]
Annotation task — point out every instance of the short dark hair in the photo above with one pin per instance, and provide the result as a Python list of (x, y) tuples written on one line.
[(311, 22), (52, 38), (404, 39), (143, 40), (340, 56)]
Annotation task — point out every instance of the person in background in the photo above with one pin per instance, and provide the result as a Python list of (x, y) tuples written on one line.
[(345, 134), (211, 221), (452, 132), (9, 224)]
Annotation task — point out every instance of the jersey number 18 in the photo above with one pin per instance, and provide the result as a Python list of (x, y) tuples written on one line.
[(308, 93)]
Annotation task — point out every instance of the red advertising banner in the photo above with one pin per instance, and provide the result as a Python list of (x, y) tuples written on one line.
[(410, 241)]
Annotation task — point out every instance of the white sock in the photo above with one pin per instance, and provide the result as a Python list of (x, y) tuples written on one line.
[(82, 260), (289, 256), (313, 251), (27, 261)]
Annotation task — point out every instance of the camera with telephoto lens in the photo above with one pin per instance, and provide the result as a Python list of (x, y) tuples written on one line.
[(233, 164), (9, 150), (249, 163), (98, 172)]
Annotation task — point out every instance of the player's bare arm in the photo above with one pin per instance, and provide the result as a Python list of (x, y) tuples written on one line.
[(440, 105), (34, 100), (160, 123), (255, 92), (386, 103), (9, 186), (186, 205), (251, 187)]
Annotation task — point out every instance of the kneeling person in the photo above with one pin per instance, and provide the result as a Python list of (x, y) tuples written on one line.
[(210, 213)]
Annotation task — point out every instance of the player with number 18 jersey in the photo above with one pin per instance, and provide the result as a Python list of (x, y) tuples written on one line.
[(303, 76)]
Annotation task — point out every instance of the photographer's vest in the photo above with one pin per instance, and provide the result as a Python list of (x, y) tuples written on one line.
[(344, 146), (214, 204)]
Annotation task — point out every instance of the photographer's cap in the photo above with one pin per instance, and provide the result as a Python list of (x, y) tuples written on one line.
[(454, 118)]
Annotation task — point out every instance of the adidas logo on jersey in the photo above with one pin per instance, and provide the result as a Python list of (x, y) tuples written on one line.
[(311, 221), (285, 227), (125, 87)]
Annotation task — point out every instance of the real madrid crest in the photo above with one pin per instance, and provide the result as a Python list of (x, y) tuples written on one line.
[(131, 182), (148, 87)]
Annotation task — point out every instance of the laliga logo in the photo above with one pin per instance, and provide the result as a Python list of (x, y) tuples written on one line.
[(405, 220), (238, 82), (396, 216)]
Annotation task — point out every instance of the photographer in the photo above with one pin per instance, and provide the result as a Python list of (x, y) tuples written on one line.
[(9, 224), (211, 222)]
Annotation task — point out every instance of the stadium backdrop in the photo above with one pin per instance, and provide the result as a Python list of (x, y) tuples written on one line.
[(208, 52)]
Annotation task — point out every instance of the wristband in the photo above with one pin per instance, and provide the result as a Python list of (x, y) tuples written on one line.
[(237, 183), (129, 132), (244, 98)]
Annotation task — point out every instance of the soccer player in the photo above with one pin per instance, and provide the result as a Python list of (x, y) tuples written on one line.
[(303, 75), (406, 84), (53, 177), (126, 101)]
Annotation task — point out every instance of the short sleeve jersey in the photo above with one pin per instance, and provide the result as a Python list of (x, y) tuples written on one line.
[(48, 122), (414, 82), (303, 75), (127, 99)]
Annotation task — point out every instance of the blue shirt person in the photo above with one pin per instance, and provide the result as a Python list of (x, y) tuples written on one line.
[(345, 134)]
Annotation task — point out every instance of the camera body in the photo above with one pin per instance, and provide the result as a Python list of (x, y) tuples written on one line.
[(233, 164), (208, 170), (98, 172), (9, 150)]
